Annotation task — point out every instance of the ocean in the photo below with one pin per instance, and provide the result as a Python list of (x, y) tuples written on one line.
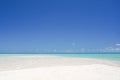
[(108, 56), (115, 57)]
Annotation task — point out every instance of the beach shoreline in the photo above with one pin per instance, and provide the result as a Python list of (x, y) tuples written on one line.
[(57, 68), (23, 62)]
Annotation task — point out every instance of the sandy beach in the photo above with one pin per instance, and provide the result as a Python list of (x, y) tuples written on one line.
[(57, 68)]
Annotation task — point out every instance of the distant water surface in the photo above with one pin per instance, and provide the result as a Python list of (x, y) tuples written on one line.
[(115, 57), (107, 56)]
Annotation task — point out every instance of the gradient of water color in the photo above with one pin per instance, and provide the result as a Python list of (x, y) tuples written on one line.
[(115, 57)]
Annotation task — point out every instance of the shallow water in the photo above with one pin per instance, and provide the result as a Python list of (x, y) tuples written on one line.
[(97, 56), (107, 56)]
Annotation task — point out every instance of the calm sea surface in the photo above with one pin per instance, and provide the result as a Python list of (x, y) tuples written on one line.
[(98, 56)]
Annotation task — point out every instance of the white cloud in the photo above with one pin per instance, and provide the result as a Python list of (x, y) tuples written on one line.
[(117, 49), (111, 49), (54, 50), (73, 44), (117, 44)]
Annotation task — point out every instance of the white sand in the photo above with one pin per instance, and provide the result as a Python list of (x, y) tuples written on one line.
[(57, 68), (84, 72)]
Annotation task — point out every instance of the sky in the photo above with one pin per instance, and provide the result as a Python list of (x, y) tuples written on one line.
[(59, 25)]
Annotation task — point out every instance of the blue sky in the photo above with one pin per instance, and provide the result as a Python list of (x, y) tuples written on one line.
[(42, 25)]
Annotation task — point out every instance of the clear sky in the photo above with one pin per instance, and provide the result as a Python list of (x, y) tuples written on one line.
[(41, 25)]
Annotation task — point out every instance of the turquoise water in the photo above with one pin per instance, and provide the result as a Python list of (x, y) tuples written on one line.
[(97, 56)]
